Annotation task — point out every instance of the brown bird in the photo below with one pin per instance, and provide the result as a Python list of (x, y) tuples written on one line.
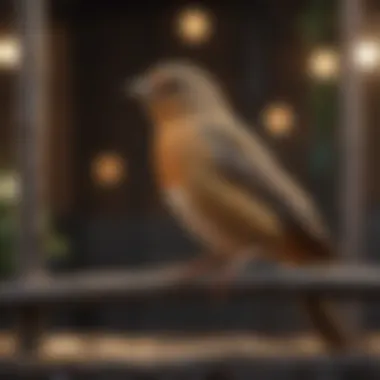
[(226, 186)]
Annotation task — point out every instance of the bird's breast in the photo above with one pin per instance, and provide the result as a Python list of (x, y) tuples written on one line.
[(185, 209), (170, 165)]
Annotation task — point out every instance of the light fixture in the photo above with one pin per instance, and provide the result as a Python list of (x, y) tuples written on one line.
[(278, 119), (366, 54), (10, 52), (324, 64), (108, 169), (194, 25)]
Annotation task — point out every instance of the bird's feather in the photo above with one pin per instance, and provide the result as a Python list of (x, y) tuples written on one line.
[(245, 161)]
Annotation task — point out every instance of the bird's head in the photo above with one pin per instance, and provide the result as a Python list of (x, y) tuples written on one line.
[(177, 89)]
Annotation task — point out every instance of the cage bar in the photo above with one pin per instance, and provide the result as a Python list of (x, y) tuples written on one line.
[(352, 189), (102, 287), (31, 114), (182, 369), (353, 134)]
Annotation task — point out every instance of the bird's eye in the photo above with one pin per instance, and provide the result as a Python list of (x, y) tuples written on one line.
[(169, 87)]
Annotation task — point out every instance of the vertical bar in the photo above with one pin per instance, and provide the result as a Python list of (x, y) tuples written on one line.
[(352, 139), (31, 114), (31, 127)]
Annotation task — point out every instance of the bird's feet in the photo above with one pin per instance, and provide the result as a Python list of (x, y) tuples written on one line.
[(230, 271), (224, 270), (199, 267)]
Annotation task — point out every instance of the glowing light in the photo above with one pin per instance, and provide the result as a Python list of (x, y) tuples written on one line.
[(366, 54), (10, 52), (194, 26), (324, 64), (278, 119), (108, 170), (9, 187)]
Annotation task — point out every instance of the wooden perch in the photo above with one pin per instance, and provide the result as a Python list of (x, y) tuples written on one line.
[(166, 280)]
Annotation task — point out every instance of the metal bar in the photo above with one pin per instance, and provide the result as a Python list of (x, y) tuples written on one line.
[(181, 369), (31, 114), (102, 287), (353, 142)]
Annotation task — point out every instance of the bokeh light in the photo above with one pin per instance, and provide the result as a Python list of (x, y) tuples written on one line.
[(366, 54), (194, 26), (9, 187), (278, 119), (108, 169), (324, 64), (10, 52)]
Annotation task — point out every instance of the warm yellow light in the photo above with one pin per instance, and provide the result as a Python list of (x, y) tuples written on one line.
[(278, 119), (108, 169), (194, 26), (366, 54), (9, 187), (324, 64), (10, 52)]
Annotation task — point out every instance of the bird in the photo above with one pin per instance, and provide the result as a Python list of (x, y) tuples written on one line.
[(226, 187)]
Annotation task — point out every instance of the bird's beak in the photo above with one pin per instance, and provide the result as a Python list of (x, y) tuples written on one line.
[(139, 88)]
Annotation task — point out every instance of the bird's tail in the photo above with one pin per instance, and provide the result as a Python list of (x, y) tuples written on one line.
[(326, 320)]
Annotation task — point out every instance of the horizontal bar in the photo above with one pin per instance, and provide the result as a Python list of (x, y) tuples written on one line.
[(362, 364), (100, 287)]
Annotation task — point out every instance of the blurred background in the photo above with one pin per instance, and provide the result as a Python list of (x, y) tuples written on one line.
[(278, 61)]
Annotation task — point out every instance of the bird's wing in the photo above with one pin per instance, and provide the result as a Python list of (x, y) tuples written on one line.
[(245, 161)]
